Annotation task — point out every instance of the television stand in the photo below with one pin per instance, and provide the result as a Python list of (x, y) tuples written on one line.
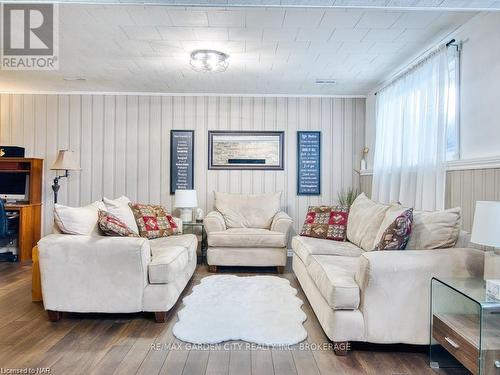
[(30, 212)]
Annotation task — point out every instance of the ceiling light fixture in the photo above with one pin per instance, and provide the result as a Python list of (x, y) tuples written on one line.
[(204, 60)]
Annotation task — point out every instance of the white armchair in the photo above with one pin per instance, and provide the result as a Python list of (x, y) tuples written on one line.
[(247, 230)]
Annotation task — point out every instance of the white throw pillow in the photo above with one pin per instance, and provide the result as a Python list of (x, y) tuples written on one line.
[(435, 229), (78, 220), (119, 207)]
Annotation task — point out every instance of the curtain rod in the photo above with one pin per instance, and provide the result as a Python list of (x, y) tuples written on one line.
[(451, 43)]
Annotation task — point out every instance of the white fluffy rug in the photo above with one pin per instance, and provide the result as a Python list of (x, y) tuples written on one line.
[(259, 309)]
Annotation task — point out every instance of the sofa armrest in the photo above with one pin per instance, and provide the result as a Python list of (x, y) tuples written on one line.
[(281, 223), (214, 222), (395, 289), (93, 273)]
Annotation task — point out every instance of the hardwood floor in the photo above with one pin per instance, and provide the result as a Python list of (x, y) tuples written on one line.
[(122, 343)]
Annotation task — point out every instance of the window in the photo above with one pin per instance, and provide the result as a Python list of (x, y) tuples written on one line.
[(417, 132)]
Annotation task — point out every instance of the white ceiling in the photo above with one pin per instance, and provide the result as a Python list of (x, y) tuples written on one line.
[(383, 4), (272, 50)]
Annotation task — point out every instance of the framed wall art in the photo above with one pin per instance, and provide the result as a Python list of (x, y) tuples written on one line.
[(255, 150), (308, 163), (181, 160)]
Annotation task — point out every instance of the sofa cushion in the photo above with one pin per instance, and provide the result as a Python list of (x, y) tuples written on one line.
[(189, 241), (391, 214), (397, 234), (435, 230), (363, 224), (119, 207), (247, 237), (113, 226), (304, 247), (167, 264), (170, 256), (152, 220), (78, 220), (328, 222), (248, 211), (335, 279)]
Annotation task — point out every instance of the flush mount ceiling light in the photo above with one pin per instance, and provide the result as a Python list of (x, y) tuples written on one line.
[(204, 60)]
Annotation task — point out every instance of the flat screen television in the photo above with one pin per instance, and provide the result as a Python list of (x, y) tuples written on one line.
[(14, 186)]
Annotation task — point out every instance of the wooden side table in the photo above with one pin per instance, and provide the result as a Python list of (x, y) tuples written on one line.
[(465, 326), (192, 225)]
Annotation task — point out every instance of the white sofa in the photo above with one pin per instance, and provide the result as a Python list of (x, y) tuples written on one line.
[(381, 296), (247, 230), (114, 274)]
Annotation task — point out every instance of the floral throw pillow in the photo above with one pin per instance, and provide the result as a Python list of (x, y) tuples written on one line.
[(153, 221), (112, 226), (326, 222), (397, 234)]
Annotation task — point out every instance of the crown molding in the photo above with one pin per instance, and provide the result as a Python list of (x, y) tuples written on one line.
[(131, 93)]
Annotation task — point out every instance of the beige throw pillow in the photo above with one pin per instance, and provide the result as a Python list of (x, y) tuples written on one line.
[(435, 229), (78, 220), (363, 224)]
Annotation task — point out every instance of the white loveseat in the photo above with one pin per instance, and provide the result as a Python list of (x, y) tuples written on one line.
[(381, 296), (247, 230), (114, 274)]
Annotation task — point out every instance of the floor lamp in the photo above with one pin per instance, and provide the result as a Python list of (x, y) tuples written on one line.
[(66, 161)]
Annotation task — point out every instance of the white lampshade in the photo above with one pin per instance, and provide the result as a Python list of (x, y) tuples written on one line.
[(486, 227), (66, 161), (185, 199)]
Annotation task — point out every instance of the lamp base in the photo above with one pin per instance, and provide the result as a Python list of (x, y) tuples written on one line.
[(491, 265), (186, 215)]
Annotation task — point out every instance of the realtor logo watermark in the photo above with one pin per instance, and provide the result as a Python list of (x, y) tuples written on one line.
[(30, 37)]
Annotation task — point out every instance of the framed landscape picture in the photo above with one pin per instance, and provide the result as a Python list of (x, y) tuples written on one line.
[(245, 150)]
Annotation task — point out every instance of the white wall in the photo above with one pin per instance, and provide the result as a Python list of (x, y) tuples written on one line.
[(480, 85), (370, 131), (123, 143)]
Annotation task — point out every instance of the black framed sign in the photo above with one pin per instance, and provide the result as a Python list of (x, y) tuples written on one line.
[(181, 160), (308, 163), (262, 150)]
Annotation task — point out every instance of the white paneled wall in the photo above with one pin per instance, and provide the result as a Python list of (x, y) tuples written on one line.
[(123, 142), (463, 189)]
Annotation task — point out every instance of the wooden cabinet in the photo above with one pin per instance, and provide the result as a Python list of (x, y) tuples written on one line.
[(459, 335), (30, 211)]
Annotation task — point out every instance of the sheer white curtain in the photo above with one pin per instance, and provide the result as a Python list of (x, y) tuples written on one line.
[(415, 115)]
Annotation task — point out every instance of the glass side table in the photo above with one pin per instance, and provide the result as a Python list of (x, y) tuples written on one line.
[(465, 326), (198, 229)]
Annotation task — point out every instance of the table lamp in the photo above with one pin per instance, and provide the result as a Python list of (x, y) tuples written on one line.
[(186, 200), (66, 161), (486, 231)]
